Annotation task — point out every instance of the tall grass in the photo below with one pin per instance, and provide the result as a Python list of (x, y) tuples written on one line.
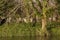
[(23, 29)]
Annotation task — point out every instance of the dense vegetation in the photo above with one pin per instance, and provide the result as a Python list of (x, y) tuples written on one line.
[(29, 17)]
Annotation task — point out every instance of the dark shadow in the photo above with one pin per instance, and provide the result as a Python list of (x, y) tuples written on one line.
[(2, 21)]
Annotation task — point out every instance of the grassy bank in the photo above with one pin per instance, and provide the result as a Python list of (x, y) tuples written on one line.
[(17, 29), (23, 29)]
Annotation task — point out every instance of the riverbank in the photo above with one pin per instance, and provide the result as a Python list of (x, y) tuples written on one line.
[(24, 29)]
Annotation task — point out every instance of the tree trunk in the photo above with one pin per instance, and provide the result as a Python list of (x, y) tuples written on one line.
[(43, 24), (44, 27)]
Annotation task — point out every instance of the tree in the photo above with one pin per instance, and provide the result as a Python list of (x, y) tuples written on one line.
[(44, 6)]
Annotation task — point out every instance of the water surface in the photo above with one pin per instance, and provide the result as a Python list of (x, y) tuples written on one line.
[(30, 38)]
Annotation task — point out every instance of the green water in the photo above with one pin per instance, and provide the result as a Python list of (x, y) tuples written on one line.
[(30, 38)]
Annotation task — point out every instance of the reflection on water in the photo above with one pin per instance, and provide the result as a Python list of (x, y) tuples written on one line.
[(30, 38)]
